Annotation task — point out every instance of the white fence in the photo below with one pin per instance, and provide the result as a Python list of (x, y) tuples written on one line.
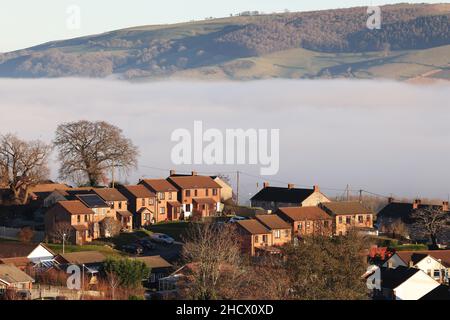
[(13, 234)]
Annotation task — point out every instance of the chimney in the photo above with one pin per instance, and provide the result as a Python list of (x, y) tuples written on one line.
[(316, 188), (411, 264), (194, 173), (416, 204), (172, 172), (445, 206), (390, 200), (291, 186), (265, 184)]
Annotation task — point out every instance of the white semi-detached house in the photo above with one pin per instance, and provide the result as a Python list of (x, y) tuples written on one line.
[(435, 263)]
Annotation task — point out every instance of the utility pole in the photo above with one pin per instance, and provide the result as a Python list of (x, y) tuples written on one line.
[(237, 187), (360, 195), (112, 176)]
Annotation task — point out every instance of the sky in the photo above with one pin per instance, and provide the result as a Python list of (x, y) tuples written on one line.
[(24, 23), (389, 138)]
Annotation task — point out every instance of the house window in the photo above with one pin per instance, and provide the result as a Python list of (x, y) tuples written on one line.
[(78, 218), (86, 218), (340, 219), (162, 210), (437, 274), (277, 234), (214, 192), (360, 219), (188, 193), (195, 192), (161, 196), (368, 217), (307, 224), (188, 207), (207, 192), (286, 233), (120, 205), (256, 239), (143, 202), (150, 201), (264, 238), (170, 195), (299, 225), (348, 220)]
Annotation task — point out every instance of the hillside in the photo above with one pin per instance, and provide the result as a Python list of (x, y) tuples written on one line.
[(414, 42)]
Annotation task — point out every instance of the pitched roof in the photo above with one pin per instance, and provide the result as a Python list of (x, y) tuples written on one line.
[(159, 185), (192, 182), (81, 257), (154, 262), (92, 201), (11, 274), (416, 256), (304, 213), (110, 194), (17, 261), (204, 200), (48, 187), (346, 207), (441, 292), (138, 191), (253, 226), (74, 207), (13, 249), (272, 221), (279, 194), (392, 278)]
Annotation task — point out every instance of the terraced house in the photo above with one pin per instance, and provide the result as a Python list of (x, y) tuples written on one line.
[(167, 204), (198, 195), (347, 215), (119, 203), (306, 221)]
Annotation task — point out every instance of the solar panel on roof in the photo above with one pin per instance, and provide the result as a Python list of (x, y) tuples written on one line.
[(92, 201)]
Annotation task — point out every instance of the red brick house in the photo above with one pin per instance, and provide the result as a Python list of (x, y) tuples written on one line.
[(255, 237), (119, 203), (281, 230), (307, 221), (198, 195), (167, 204), (141, 203)]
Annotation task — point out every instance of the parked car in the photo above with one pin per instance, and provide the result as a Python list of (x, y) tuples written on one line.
[(236, 219), (162, 238), (146, 243), (133, 248)]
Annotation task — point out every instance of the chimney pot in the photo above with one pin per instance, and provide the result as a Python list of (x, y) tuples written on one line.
[(194, 173), (416, 204), (291, 185), (172, 172), (265, 184), (316, 188), (445, 206), (390, 200)]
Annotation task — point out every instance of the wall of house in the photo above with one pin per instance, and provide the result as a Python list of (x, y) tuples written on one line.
[(394, 262), (430, 266), (415, 287), (261, 240), (285, 236), (314, 199), (226, 193), (341, 226), (187, 200), (162, 199), (313, 227)]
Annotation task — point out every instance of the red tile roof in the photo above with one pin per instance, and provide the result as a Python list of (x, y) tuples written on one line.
[(74, 207), (159, 185), (304, 213), (253, 226), (193, 182), (272, 221)]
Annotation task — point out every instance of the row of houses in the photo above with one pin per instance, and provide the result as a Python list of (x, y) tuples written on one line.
[(89, 210), (299, 212)]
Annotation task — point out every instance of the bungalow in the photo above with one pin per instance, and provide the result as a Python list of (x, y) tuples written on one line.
[(347, 215), (90, 263), (281, 230), (272, 198), (167, 204), (198, 195), (119, 203), (141, 203), (255, 237), (435, 263), (306, 221), (12, 278), (159, 268)]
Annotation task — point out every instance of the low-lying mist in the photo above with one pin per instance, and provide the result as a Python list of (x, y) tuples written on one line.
[(385, 137)]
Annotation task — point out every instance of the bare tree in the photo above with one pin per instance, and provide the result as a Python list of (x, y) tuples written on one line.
[(396, 228), (22, 164), (113, 282), (111, 227), (92, 149), (214, 253), (61, 231), (432, 222)]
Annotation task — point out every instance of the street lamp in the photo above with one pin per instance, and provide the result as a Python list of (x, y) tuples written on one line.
[(64, 238)]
